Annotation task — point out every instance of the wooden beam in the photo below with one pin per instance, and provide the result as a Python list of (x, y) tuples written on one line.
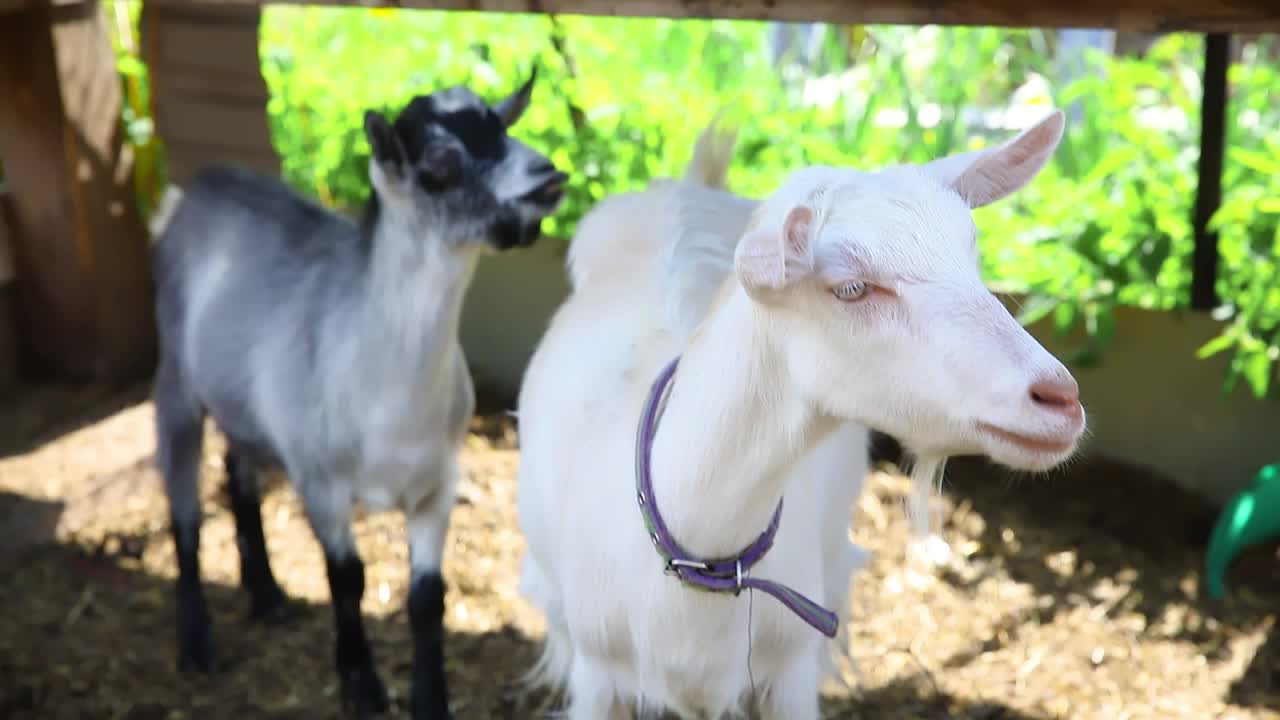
[(80, 249), (1129, 15), (11, 6)]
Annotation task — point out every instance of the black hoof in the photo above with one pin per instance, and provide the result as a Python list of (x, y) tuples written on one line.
[(363, 694), (195, 653), (195, 639), (270, 608), (427, 711), (429, 700)]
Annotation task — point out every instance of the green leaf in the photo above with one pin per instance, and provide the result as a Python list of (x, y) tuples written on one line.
[(1084, 357), (1257, 371), (1064, 317), (1036, 308), (1255, 160), (1104, 321), (130, 65), (1217, 344)]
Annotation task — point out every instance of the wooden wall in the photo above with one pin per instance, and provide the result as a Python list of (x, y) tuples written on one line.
[(209, 98), (8, 335), (83, 285)]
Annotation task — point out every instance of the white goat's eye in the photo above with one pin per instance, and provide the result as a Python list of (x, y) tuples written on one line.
[(851, 290)]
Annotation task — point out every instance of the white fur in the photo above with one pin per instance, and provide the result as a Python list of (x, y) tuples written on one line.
[(777, 382)]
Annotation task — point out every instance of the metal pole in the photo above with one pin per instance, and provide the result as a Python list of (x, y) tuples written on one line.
[(1213, 114)]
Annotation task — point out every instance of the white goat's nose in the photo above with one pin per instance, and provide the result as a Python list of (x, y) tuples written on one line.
[(1058, 393)]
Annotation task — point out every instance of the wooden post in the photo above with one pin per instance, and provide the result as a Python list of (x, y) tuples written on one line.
[(80, 248), (1213, 139), (8, 338)]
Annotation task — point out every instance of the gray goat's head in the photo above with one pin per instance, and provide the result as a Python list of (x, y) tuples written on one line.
[(448, 166)]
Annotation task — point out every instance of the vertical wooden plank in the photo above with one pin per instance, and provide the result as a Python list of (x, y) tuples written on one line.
[(80, 249), (209, 98), (8, 337), (6, 242)]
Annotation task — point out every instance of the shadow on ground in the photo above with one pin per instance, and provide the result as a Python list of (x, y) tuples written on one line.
[(86, 622), (86, 634), (916, 697), (1125, 542), (38, 413)]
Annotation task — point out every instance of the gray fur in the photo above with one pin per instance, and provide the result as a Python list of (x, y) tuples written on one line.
[(328, 346)]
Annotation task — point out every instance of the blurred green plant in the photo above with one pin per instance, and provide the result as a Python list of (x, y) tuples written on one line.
[(1248, 225), (620, 101), (1108, 222), (149, 172)]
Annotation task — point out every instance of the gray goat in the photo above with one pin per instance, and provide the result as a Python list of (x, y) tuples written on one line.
[(329, 348)]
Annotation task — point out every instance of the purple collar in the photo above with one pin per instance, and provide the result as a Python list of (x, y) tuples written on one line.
[(728, 575)]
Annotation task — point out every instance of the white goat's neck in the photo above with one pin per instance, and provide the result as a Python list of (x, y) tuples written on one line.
[(731, 428), (417, 285)]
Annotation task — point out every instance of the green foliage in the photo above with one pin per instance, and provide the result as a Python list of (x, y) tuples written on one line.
[(148, 153), (1109, 220), (1248, 225), (620, 101)]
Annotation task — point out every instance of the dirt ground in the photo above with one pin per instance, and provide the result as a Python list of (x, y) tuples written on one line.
[(1068, 596)]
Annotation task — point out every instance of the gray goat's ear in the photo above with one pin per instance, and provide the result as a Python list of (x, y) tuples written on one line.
[(511, 108), (383, 142)]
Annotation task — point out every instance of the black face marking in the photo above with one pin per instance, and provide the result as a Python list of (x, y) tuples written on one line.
[(476, 126), (441, 167), (510, 231), (453, 144), (480, 131)]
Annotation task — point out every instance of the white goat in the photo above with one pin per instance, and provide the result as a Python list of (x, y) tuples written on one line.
[(851, 299)]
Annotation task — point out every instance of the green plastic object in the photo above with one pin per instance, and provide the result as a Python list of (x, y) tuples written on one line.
[(1251, 517)]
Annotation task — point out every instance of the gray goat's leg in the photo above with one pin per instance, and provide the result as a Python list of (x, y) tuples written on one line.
[(427, 525), (267, 602), (328, 506), (179, 441)]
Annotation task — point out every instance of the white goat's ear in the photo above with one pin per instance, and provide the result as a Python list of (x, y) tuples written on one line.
[(982, 177), (513, 106), (767, 259)]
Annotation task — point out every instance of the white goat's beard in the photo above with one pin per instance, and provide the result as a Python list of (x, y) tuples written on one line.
[(926, 478), (926, 544)]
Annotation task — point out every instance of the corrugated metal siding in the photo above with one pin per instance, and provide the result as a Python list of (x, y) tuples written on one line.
[(209, 98)]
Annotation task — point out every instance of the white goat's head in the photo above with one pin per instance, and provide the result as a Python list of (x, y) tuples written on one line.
[(448, 164), (869, 282)]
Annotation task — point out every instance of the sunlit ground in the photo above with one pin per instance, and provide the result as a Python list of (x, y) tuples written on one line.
[(1067, 597)]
